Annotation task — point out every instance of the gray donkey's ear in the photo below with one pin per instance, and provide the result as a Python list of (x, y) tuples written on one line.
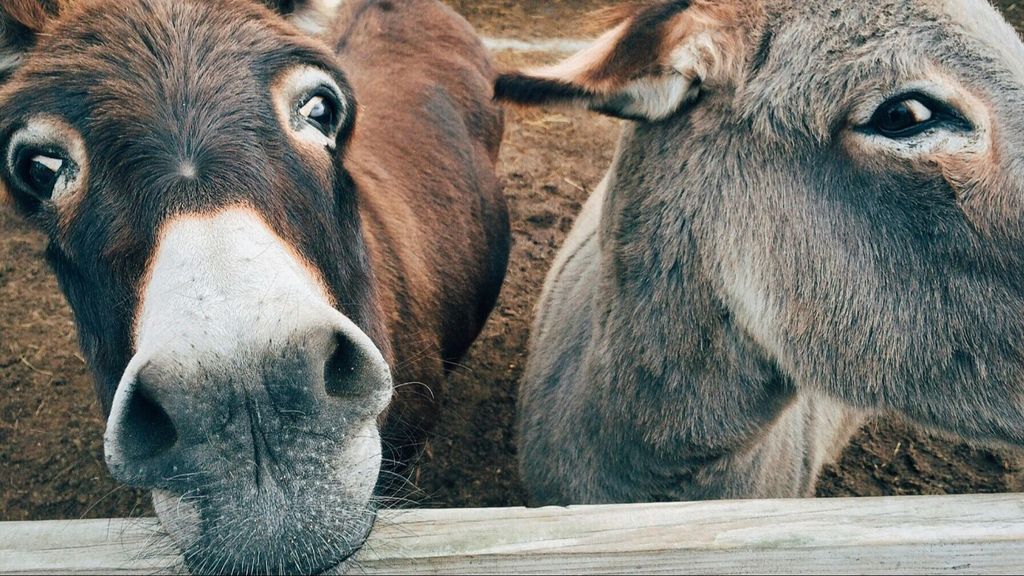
[(313, 17), (20, 22), (645, 68)]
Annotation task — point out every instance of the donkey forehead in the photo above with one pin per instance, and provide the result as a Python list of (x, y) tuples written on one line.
[(871, 18), (822, 57), (970, 32), (159, 80), (156, 25), (164, 48)]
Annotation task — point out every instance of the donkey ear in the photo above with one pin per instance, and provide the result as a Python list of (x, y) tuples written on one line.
[(313, 17), (646, 68), (20, 22)]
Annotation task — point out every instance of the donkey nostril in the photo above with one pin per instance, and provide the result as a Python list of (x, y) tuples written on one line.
[(148, 427), (343, 369)]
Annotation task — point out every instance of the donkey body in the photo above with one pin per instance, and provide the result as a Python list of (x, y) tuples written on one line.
[(816, 212), (259, 231)]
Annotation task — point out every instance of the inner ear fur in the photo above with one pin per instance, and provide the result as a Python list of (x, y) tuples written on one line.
[(30, 15), (314, 17), (20, 22), (652, 61)]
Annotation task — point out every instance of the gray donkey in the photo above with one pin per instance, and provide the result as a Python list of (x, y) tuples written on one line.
[(817, 212)]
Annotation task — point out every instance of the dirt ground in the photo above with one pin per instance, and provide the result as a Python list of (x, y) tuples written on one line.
[(51, 461)]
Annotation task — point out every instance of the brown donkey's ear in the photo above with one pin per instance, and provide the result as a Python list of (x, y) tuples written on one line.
[(313, 17), (653, 62), (20, 22)]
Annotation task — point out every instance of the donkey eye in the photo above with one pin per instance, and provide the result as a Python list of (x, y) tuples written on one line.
[(38, 172), (905, 117), (321, 111)]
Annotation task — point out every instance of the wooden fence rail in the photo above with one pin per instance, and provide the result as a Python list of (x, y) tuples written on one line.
[(959, 534)]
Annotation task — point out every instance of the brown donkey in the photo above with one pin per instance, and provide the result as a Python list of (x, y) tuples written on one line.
[(258, 231), (816, 211)]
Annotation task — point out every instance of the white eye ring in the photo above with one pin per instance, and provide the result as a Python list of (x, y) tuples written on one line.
[(301, 116), (36, 145)]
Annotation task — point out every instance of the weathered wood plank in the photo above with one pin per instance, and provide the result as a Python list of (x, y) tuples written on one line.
[(962, 534)]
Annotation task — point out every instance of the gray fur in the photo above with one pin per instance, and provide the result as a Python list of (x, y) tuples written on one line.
[(747, 285)]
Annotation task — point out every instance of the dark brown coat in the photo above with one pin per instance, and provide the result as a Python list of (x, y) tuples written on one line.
[(249, 281)]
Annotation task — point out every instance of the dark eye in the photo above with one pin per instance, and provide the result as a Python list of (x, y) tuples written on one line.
[(38, 171), (910, 115), (322, 111)]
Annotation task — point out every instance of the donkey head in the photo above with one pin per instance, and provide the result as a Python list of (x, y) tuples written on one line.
[(185, 159), (848, 176)]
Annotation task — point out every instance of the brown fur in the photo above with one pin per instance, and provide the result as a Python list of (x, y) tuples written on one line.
[(183, 109), (407, 175), (644, 34), (31, 14)]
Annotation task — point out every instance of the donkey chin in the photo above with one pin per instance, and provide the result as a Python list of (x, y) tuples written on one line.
[(310, 519), (251, 404)]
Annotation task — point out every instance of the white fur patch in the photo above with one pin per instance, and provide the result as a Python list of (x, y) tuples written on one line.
[(317, 17), (747, 291), (556, 45), (187, 169), (220, 281), (657, 97), (695, 58), (8, 62), (982, 22), (221, 286)]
